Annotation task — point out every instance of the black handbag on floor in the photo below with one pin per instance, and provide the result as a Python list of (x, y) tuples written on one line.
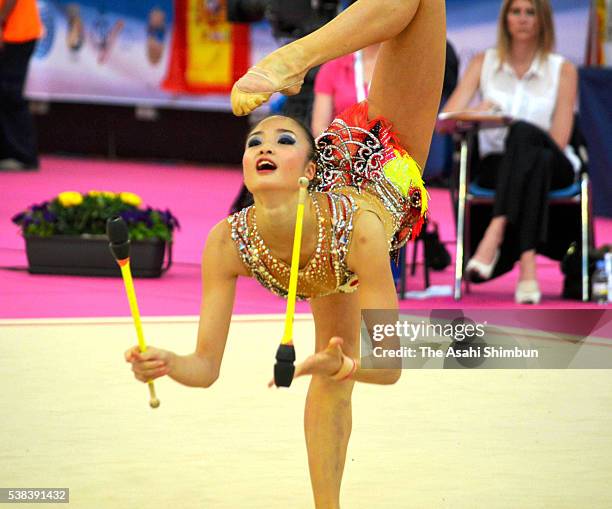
[(437, 256), (571, 266)]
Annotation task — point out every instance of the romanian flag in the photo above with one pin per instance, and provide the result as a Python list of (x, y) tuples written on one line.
[(208, 53)]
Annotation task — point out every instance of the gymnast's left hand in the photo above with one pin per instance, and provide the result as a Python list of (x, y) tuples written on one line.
[(151, 364), (326, 362)]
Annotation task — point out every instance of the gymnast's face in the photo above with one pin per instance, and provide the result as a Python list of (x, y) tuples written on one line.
[(276, 155), (522, 21)]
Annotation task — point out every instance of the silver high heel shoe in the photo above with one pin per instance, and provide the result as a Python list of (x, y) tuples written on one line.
[(528, 292), (479, 271)]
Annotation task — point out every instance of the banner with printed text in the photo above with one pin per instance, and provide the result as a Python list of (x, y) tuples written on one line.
[(183, 53), (146, 52)]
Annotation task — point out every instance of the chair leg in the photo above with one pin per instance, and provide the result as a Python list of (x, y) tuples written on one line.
[(584, 226), (414, 256), (402, 262), (426, 270), (461, 216), (466, 243)]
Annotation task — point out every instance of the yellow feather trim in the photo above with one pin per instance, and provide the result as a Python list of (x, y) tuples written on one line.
[(405, 173)]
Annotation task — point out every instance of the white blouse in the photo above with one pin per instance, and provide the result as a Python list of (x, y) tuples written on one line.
[(531, 98)]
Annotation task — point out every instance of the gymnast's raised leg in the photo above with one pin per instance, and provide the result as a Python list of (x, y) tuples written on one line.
[(407, 81)]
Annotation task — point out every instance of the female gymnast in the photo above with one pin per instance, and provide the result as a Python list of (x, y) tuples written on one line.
[(366, 198)]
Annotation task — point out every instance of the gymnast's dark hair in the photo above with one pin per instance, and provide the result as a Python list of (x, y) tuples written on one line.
[(312, 152)]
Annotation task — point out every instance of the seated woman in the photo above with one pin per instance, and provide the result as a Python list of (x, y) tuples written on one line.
[(521, 77), (366, 197)]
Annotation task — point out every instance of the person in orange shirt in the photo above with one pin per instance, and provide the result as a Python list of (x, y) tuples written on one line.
[(20, 27)]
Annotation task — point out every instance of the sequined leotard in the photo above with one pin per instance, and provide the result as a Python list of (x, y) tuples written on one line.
[(325, 272), (360, 166)]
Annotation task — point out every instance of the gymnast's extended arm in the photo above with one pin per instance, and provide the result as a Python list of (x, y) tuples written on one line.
[(369, 259), (220, 269)]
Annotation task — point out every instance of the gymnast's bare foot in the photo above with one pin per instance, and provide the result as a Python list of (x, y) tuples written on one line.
[(281, 71), (326, 362)]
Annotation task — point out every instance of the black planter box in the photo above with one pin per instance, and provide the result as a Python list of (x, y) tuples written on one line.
[(91, 256)]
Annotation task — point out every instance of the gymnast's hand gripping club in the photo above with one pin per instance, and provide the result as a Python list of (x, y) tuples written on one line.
[(117, 232), (284, 368)]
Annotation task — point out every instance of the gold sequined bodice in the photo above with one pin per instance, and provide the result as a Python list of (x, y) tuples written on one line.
[(325, 272)]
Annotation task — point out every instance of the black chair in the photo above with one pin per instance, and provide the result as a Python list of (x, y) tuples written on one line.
[(403, 268), (466, 194)]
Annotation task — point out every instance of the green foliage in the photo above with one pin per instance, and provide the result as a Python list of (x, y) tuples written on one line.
[(75, 214)]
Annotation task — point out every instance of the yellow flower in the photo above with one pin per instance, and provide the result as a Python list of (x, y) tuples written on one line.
[(130, 199), (70, 198), (94, 193), (109, 194)]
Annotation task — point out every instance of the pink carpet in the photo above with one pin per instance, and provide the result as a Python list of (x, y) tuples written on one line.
[(199, 197)]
